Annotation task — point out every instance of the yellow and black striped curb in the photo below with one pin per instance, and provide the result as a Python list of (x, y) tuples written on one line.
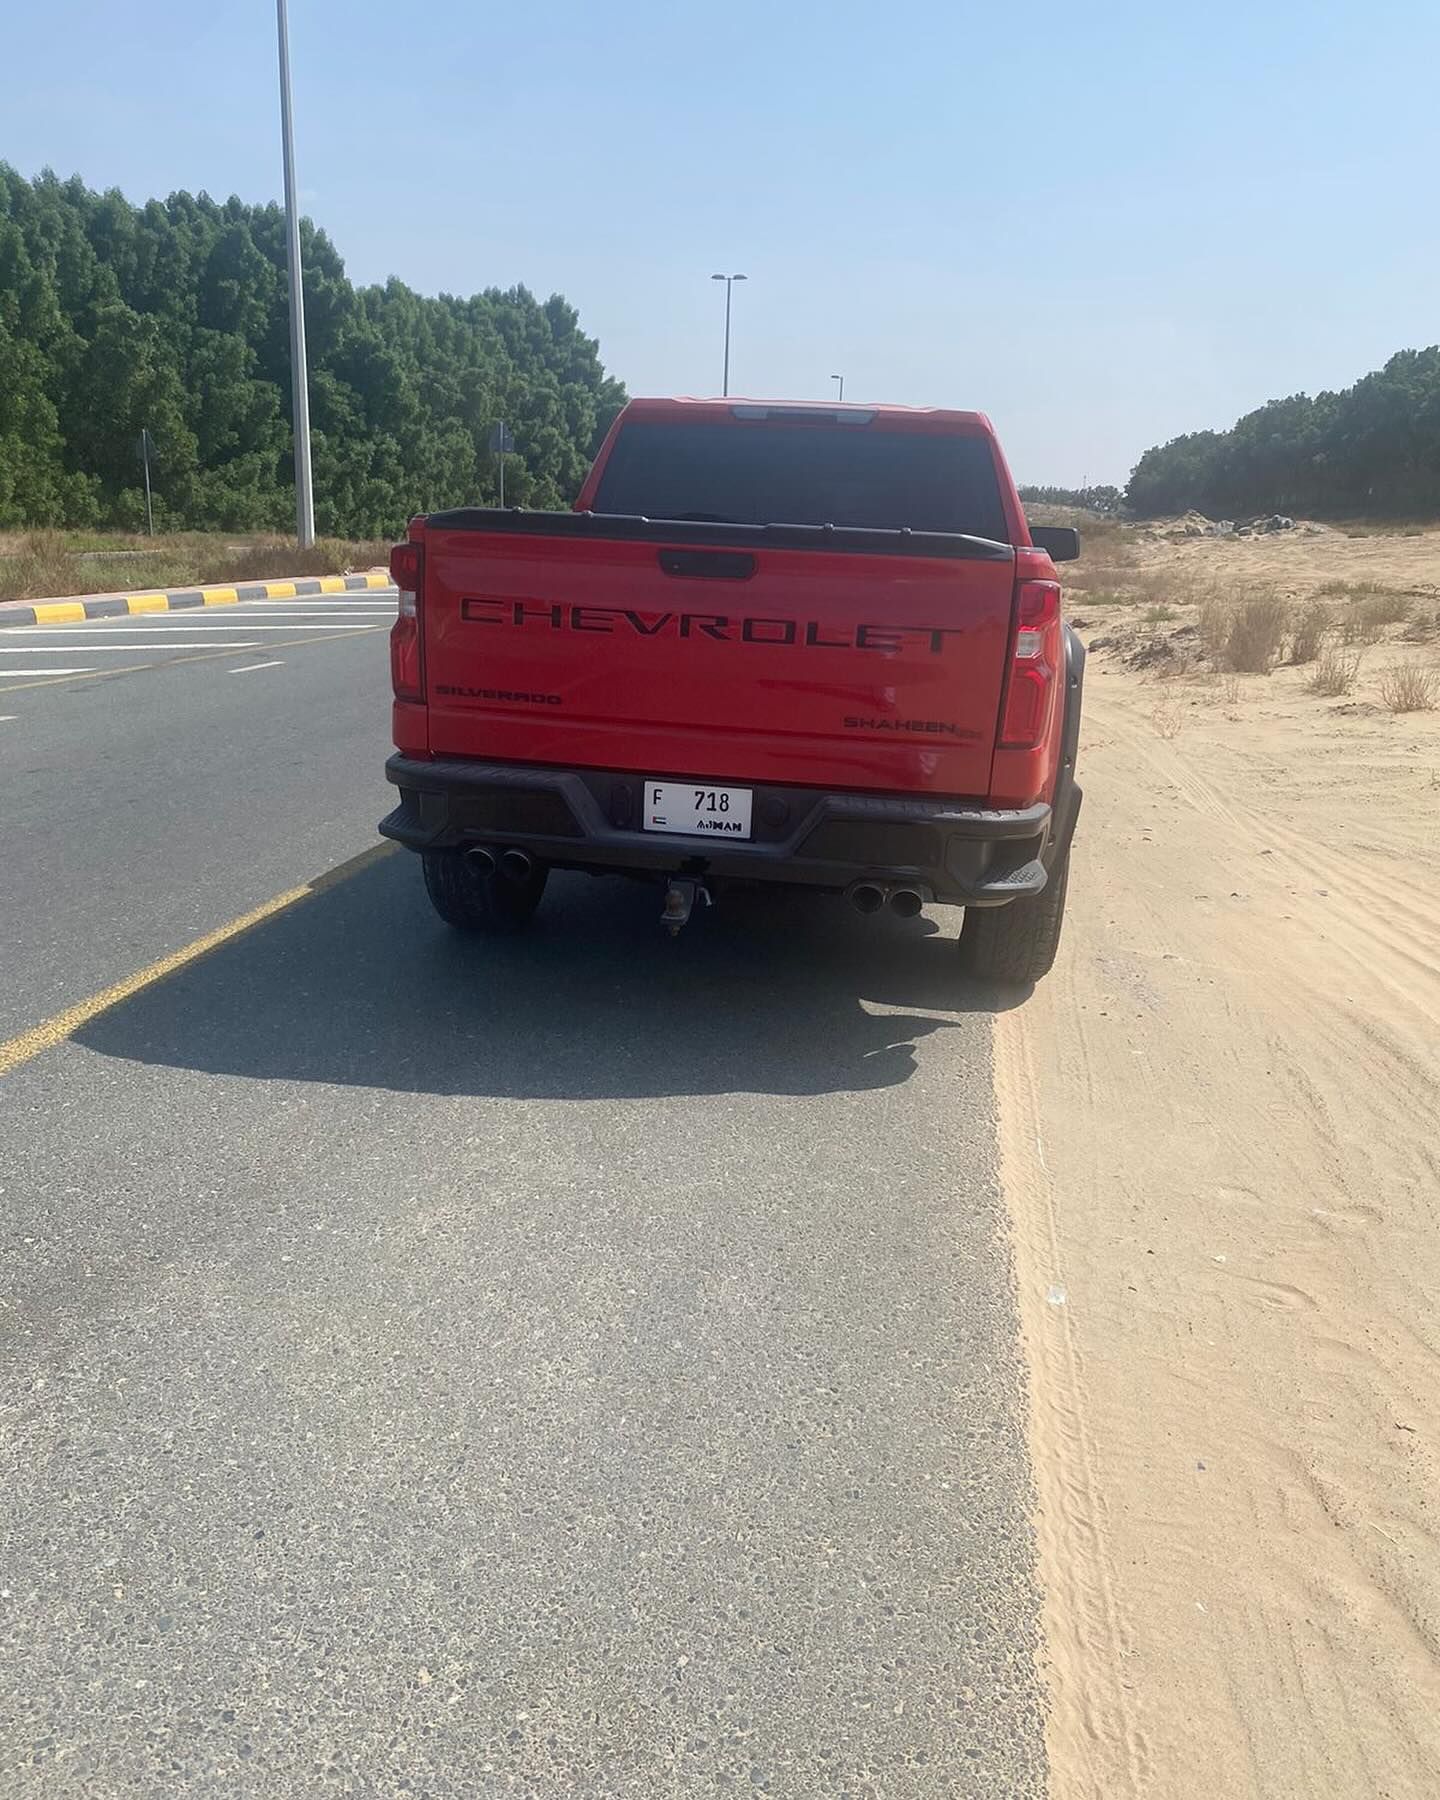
[(63, 612)]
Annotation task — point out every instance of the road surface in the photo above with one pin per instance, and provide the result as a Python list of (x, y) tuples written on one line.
[(579, 1365)]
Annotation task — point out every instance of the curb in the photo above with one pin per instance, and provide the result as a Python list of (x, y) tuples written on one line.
[(109, 606)]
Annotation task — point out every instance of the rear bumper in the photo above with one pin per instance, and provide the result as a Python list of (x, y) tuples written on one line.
[(590, 819)]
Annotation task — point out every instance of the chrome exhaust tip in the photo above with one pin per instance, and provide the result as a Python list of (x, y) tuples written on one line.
[(905, 903), (481, 860), (516, 864), (865, 897)]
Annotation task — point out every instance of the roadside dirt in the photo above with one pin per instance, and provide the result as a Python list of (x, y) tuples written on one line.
[(1221, 1142)]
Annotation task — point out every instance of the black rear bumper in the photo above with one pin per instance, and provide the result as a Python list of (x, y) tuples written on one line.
[(590, 819)]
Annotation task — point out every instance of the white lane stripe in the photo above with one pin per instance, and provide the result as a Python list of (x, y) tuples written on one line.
[(216, 630), (33, 671), (250, 668), (8, 718), (67, 631), (132, 649), (269, 609), (291, 612)]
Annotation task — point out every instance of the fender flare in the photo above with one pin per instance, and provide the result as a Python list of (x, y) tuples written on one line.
[(1068, 794)]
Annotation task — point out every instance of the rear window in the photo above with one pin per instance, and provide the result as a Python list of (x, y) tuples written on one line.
[(799, 474)]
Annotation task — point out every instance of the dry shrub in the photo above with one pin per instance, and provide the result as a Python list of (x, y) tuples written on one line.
[(271, 562), (1101, 577), (1406, 687), (1243, 634), (1098, 537), (1334, 673), (1381, 609), (39, 565), (1368, 609), (1307, 629), (1167, 719)]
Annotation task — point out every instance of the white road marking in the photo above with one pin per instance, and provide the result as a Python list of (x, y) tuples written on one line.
[(8, 718), (250, 668), (262, 611), (30, 671), (212, 633), (132, 649)]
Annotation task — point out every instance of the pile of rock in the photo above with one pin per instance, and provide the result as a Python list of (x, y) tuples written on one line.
[(1196, 525)]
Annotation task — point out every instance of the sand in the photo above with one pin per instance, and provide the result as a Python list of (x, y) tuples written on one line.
[(1220, 1128)]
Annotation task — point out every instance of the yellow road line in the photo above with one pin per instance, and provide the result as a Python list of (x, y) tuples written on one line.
[(65, 1024)]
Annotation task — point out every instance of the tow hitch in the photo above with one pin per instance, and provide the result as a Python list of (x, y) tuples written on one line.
[(681, 894)]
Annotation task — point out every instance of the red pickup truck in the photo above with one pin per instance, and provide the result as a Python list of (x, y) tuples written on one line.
[(814, 645)]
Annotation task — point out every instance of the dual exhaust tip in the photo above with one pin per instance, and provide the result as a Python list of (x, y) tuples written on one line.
[(865, 896), (513, 863), (870, 897)]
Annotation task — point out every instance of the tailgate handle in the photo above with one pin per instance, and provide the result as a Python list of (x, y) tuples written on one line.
[(712, 565)]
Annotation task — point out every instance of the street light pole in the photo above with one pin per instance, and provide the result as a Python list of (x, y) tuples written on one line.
[(841, 380), (729, 281), (299, 379)]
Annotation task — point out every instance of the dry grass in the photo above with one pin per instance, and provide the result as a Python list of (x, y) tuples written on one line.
[(1406, 687), (328, 556), (1334, 673), (1368, 607), (1308, 626), (39, 565), (1244, 634)]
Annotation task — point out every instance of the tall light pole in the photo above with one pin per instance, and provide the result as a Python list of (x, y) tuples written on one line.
[(841, 380), (299, 379), (729, 281)]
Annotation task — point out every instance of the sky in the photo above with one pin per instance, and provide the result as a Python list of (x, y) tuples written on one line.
[(1103, 225)]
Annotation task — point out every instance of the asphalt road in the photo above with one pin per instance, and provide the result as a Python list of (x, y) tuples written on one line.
[(577, 1365)]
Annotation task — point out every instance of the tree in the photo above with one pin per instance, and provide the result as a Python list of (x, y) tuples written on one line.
[(172, 317), (1371, 450)]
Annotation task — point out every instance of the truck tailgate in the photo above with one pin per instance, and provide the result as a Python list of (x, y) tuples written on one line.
[(726, 654)]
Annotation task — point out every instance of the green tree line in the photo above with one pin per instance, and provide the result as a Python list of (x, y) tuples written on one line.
[(1093, 499), (1367, 451), (173, 317)]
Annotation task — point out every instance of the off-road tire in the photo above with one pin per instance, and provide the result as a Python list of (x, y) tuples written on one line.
[(1015, 944), (470, 900)]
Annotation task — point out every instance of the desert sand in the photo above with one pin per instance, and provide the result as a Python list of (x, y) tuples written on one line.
[(1220, 1124)]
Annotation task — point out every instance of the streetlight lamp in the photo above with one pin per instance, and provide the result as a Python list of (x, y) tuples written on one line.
[(729, 281), (841, 380), (299, 382)]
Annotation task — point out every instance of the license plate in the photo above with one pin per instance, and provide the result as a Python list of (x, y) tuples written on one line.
[(694, 810)]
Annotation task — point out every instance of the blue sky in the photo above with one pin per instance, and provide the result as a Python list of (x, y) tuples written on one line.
[(1101, 224)]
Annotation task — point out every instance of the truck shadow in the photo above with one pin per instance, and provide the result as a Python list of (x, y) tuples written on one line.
[(361, 985)]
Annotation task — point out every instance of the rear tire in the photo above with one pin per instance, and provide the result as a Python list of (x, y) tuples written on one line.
[(469, 900), (1015, 944)]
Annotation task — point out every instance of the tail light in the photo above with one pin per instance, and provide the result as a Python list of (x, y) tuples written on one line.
[(1034, 667), (407, 569)]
